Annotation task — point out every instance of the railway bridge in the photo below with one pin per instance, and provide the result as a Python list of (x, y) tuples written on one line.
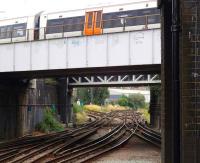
[(112, 59), (52, 56), (126, 57)]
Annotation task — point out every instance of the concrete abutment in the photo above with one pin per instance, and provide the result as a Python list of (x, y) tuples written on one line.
[(22, 104)]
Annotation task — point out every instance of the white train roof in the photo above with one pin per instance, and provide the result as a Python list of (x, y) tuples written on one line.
[(136, 4), (113, 7), (10, 21)]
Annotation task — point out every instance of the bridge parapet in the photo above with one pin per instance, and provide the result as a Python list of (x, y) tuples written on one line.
[(107, 50)]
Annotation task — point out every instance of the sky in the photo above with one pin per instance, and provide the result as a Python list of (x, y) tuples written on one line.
[(15, 8)]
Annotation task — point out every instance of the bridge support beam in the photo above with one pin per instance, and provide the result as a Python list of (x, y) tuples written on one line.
[(69, 105), (155, 108), (12, 97), (114, 80), (170, 82), (65, 100)]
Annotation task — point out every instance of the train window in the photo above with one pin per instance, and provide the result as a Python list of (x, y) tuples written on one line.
[(9, 31), (112, 20), (55, 22), (135, 21), (74, 24), (140, 21), (97, 22), (112, 23), (55, 26), (155, 11), (98, 19), (89, 23), (145, 12), (3, 32), (90, 19), (65, 25), (68, 27), (80, 23), (19, 30), (153, 19)]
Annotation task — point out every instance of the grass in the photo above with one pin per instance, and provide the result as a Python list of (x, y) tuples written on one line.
[(77, 108), (49, 123), (145, 114), (107, 108), (80, 111), (92, 108), (81, 116)]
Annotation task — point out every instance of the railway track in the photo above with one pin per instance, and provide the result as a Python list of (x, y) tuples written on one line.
[(77, 145)]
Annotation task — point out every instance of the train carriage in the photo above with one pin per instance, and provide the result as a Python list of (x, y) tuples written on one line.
[(138, 15), (64, 24), (104, 19), (17, 29)]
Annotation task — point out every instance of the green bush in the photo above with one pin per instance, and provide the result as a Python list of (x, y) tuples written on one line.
[(77, 108), (137, 100), (146, 106), (49, 123), (81, 117), (95, 95), (123, 101), (79, 113), (133, 101), (145, 114)]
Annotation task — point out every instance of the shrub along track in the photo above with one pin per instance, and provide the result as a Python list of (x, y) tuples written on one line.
[(74, 146)]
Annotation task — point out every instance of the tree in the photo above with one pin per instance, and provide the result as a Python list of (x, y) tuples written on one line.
[(95, 95), (123, 101), (99, 95), (133, 101), (137, 100)]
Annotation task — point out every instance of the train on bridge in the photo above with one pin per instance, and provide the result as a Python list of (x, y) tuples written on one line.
[(138, 15)]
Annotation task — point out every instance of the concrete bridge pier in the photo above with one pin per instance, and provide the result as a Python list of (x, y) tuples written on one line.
[(155, 108), (69, 105), (65, 100), (18, 112), (12, 97)]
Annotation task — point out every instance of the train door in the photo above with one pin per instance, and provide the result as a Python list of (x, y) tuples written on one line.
[(98, 22), (93, 23)]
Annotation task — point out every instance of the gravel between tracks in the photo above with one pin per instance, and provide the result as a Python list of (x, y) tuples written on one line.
[(135, 151)]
